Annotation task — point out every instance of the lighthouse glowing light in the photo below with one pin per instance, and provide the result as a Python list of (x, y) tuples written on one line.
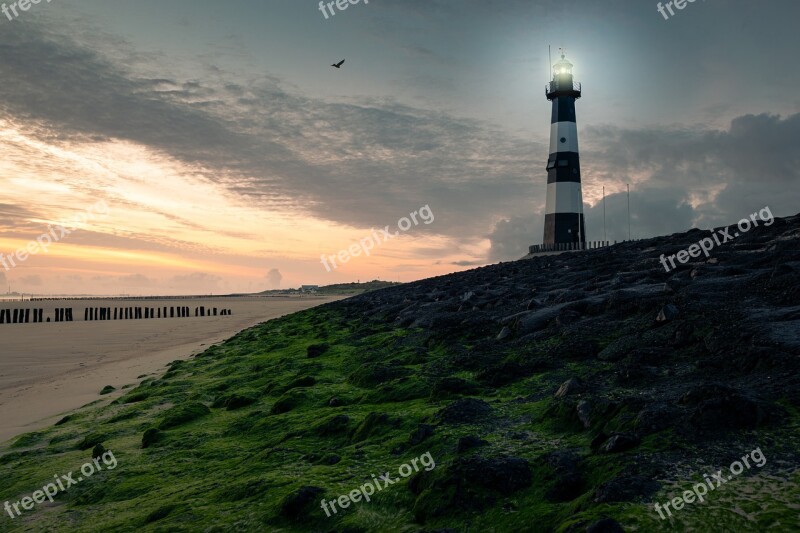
[(563, 222)]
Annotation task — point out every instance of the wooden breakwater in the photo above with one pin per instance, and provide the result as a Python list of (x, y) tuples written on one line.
[(91, 314)]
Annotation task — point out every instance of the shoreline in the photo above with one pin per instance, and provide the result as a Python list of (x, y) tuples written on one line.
[(44, 377)]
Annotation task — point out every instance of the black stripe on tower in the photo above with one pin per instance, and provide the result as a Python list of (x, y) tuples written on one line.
[(563, 166), (563, 109), (563, 228)]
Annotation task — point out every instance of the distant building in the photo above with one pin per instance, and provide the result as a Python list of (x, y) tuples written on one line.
[(309, 288)]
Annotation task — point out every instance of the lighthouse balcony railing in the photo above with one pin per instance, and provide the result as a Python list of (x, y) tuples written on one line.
[(568, 88)]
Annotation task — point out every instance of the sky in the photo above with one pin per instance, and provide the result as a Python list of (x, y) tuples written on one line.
[(196, 146)]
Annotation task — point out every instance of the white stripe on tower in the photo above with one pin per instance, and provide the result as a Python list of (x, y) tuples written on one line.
[(568, 131), (563, 197)]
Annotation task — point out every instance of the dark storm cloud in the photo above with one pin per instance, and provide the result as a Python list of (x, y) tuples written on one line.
[(701, 178)]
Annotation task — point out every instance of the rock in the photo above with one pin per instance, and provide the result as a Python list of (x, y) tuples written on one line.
[(504, 333), (150, 437), (682, 335), (504, 373), (465, 411), (468, 443), (620, 442), (566, 318), (667, 313), (369, 426), (619, 348), (452, 385), (584, 412), (567, 479), (654, 418), (571, 386), (183, 414), (98, 451), (238, 401), (297, 504), (533, 321), (422, 433), (373, 374), (315, 350), (597, 441), (625, 488), (330, 459), (728, 413), (332, 426)]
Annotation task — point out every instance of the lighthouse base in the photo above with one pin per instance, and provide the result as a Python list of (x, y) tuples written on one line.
[(564, 228), (537, 250)]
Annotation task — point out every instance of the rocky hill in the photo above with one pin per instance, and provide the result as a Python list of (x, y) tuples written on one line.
[(561, 393)]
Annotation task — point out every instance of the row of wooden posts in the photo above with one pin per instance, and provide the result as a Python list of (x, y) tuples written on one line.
[(64, 314)]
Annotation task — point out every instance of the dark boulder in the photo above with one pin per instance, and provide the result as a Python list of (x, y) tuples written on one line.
[(567, 480), (421, 434), (620, 442), (315, 350), (569, 387), (298, 503), (625, 488), (468, 443), (465, 411)]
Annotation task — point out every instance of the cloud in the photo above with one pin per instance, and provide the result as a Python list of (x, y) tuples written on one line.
[(274, 278), (365, 163), (200, 282), (360, 164), (33, 280), (135, 280)]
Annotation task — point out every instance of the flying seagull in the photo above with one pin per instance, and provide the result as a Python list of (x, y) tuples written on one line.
[(339, 64)]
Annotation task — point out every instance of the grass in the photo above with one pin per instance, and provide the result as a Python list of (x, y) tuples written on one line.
[(219, 442)]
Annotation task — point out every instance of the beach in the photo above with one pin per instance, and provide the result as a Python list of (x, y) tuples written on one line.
[(48, 369)]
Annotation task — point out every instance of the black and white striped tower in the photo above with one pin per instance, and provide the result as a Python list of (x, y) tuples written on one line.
[(563, 221)]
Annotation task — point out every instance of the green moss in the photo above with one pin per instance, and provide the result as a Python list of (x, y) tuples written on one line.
[(183, 414), (185, 467)]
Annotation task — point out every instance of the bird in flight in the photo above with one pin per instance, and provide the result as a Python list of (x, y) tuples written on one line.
[(339, 64)]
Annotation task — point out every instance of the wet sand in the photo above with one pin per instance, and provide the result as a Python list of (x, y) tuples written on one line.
[(49, 369)]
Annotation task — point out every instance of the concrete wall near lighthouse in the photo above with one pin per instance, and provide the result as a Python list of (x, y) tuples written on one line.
[(564, 207)]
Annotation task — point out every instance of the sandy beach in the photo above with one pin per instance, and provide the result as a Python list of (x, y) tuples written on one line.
[(52, 368)]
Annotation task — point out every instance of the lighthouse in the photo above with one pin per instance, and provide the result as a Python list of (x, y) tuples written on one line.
[(563, 221)]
